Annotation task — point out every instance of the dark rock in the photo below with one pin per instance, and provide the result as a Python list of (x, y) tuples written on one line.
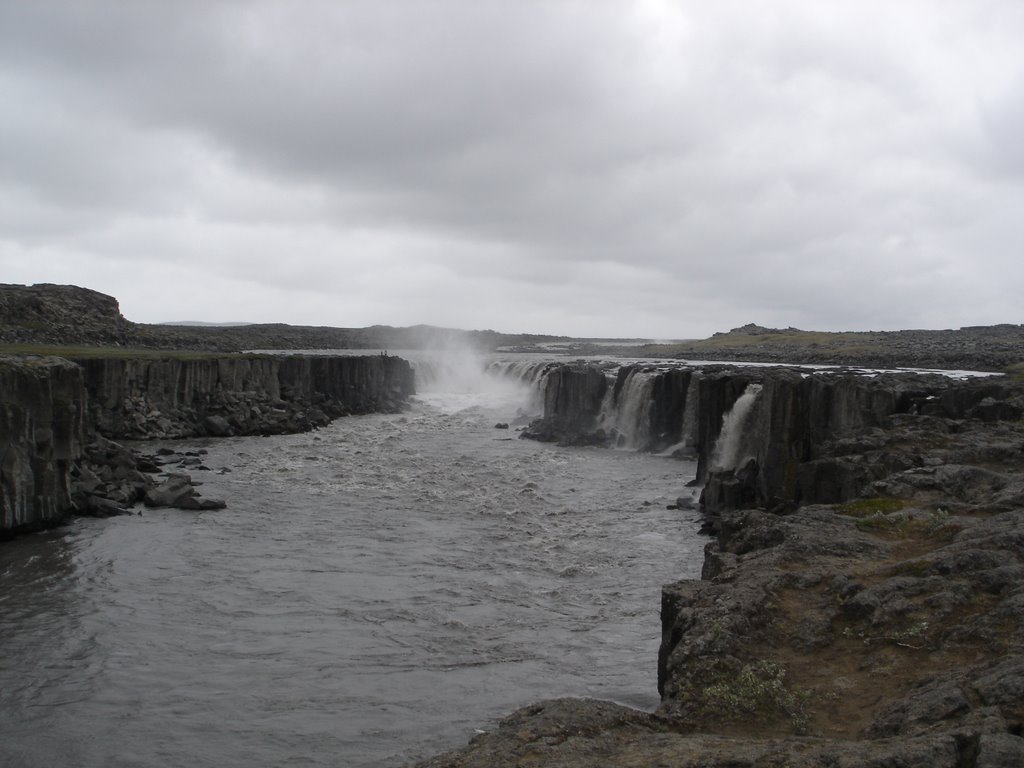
[(101, 507), (217, 426), (572, 403), (1000, 750), (170, 493)]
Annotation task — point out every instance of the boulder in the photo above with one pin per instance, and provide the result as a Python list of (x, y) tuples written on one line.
[(217, 426)]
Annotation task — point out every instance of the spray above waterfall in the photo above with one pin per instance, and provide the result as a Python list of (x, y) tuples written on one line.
[(730, 439), (456, 379)]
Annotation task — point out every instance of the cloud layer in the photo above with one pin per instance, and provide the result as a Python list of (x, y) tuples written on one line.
[(661, 169)]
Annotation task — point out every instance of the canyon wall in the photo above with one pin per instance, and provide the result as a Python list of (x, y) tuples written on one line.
[(51, 406), (647, 408), (41, 436), (766, 437), (141, 398), (809, 439)]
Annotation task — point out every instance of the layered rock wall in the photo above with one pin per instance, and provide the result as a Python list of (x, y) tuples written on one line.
[(41, 436)]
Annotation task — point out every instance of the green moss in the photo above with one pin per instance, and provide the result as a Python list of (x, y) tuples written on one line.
[(1016, 371), (865, 507), (759, 690)]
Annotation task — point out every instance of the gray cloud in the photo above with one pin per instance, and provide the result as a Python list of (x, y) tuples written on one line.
[(594, 168)]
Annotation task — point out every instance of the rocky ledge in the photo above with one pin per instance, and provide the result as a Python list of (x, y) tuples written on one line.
[(885, 628)]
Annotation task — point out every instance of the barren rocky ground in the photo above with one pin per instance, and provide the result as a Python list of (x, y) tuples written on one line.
[(980, 348)]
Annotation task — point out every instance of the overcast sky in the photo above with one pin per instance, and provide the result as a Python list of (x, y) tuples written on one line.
[(656, 169)]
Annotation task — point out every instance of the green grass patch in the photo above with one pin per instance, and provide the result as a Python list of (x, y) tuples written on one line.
[(910, 525), (1015, 372)]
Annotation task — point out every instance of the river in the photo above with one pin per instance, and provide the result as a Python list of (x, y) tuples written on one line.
[(375, 592)]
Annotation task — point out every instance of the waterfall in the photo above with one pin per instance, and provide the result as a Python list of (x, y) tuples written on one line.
[(529, 373), (627, 412), (688, 433), (730, 439)]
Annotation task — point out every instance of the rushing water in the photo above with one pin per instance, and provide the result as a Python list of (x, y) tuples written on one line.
[(373, 593)]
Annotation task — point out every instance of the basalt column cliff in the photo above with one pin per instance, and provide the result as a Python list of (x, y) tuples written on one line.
[(51, 407), (42, 431)]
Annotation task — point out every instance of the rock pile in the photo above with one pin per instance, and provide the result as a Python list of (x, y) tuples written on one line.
[(109, 479)]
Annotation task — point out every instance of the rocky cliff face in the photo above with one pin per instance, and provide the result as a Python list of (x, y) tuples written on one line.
[(770, 437), (573, 395), (142, 398), (803, 440), (41, 436), (59, 314), (642, 407)]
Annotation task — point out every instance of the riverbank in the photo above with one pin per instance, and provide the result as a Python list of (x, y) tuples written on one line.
[(863, 602)]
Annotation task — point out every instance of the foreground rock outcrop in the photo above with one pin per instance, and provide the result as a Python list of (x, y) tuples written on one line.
[(862, 603)]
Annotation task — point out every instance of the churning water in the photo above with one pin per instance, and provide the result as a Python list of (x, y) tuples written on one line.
[(373, 593)]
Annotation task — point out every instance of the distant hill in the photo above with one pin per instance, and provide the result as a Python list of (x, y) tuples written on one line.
[(62, 315), (981, 348)]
